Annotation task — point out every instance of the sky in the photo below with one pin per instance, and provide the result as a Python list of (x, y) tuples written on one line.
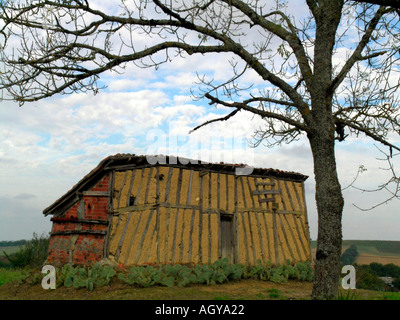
[(48, 146)]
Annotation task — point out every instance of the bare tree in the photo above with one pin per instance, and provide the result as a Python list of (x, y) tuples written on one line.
[(388, 3), (390, 186), (60, 47)]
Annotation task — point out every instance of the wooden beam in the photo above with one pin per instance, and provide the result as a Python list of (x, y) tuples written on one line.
[(189, 188), (106, 249), (121, 240), (203, 172), (262, 183), (136, 208), (148, 185), (258, 192), (140, 245), (190, 235), (168, 186), (275, 238), (272, 199), (89, 221), (133, 238), (128, 198), (96, 193), (121, 188), (68, 232)]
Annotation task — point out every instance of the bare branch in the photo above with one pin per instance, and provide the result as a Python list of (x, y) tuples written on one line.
[(230, 115), (390, 3), (360, 128), (391, 186), (357, 54), (277, 29), (262, 113)]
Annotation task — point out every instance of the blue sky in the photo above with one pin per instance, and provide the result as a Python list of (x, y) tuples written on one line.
[(47, 146)]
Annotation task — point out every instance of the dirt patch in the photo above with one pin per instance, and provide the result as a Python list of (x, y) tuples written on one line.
[(245, 289), (240, 290)]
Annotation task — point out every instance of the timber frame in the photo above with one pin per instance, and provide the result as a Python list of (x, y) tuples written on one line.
[(180, 211)]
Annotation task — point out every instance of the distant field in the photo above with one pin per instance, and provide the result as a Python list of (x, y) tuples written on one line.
[(8, 250), (369, 251), (383, 252)]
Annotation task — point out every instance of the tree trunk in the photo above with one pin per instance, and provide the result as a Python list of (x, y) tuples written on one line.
[(330, 203), (321, 135)]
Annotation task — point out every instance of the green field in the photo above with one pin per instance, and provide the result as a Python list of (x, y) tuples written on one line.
[(384, 252), (9, 250), (373, 247), (391, 248)]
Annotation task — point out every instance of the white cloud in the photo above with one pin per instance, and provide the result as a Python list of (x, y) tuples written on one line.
[(46, 147)]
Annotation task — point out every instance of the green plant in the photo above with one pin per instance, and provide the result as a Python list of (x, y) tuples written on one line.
[(180, 275), (273, 293), (305, 271), (278, 275), (260, 271), (11, 275), (218, 272), (142, 276), (391, 296), (89, 278), (32, 254), (349, 295)]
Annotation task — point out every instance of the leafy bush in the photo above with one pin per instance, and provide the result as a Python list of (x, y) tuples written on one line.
[(217, 272), (387, 270), (80, 277), (366, 279), (7, 275), (368, 276), (32, 254), (349, 256), (177, 275)]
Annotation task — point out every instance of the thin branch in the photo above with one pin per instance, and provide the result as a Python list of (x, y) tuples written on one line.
[(262, 113), (356, 56), (230, 115), (368, 133), (290, 37), (389, 3)]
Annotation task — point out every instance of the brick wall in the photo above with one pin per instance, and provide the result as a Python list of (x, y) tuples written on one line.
[(77, 247)]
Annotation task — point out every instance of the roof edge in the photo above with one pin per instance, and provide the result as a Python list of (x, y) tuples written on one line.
[(114, 161)]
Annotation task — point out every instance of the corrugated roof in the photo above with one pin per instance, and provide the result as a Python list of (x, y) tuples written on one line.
[(124, 160)]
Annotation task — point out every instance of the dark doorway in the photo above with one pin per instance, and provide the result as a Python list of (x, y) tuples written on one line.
[(227, 238)]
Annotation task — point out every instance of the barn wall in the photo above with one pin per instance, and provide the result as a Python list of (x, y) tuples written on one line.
[(276, 230), (172, 215), (175, 231), (78, 234)]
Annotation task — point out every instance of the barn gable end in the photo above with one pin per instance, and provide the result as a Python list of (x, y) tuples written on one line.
[(78, 233), (135, 213)]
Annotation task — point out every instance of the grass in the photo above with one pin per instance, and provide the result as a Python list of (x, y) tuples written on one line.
[(391, 296), (274, 293), (249, 289), (12, 288), (12, 275)]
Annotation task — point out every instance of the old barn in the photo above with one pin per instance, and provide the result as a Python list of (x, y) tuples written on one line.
[(133, 212)]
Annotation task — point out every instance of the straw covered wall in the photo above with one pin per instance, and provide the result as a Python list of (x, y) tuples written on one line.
[(166, 214)]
